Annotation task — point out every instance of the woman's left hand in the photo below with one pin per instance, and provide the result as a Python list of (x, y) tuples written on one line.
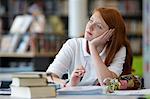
[(100, 41)]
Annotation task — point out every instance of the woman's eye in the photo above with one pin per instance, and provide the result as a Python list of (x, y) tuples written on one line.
[(90, 20), (98, 26)]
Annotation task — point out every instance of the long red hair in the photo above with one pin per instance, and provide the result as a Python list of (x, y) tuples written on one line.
[(119, 38)]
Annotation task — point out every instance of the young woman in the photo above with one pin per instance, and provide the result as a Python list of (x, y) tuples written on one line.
[(103, 52)]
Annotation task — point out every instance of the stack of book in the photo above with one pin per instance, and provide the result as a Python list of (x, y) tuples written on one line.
[(31, 85)]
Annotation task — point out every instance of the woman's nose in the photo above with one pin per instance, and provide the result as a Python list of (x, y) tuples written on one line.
[(91, 27)]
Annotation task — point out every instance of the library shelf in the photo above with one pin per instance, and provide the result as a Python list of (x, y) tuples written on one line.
[(28, 54)]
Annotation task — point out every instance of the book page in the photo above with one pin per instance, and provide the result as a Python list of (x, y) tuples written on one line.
[(79, 90)]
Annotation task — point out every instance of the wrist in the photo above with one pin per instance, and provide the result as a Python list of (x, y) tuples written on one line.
[(98, 49), (92, 48)]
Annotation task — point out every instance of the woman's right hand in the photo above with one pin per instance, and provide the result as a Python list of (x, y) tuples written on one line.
[(76, 76)]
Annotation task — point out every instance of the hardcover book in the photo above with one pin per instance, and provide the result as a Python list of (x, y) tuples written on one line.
[(29, 82), (29, 75), (33, 92)]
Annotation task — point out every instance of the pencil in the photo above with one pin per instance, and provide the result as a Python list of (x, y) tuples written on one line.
[(84, 67)]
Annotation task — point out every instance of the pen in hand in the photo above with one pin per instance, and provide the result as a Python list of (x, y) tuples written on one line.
[(77, 75), (81, 78), (84, 68)]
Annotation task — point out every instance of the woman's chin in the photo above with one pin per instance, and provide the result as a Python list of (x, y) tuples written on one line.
[(87, 37)]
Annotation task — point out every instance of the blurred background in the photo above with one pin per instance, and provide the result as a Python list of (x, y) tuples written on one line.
[(33, 31)]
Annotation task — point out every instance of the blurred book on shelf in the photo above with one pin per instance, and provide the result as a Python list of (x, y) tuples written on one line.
[(35, 43), (126, 7), (136, 45), (133, 27), (45, 43), (23, 44), (57, 26), (21, 23), (5, 43), (14, 43)]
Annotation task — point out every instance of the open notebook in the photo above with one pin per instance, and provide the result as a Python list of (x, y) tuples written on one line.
[(82, 90)]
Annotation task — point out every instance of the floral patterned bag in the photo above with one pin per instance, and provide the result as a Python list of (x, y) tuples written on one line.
[(124, 82)]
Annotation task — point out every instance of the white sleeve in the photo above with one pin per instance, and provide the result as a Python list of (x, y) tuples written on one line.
[(62, 60), (117, 64)]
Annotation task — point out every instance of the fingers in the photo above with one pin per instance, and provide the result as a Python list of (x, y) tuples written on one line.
[(106, 36), (109, 34), (79, 72), (80, 67)]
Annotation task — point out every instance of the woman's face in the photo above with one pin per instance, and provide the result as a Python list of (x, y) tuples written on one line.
[(95, 27)]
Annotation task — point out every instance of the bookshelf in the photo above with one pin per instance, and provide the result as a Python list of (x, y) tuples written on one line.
[(131, 11), (39, 52), (12, 8), (58, 9), (27, 54), (33, 51)]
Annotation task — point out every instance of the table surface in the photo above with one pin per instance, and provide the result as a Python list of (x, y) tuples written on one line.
[(80, 97)]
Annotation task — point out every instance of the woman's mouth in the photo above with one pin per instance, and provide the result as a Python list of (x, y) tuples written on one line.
[(89, 33)]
